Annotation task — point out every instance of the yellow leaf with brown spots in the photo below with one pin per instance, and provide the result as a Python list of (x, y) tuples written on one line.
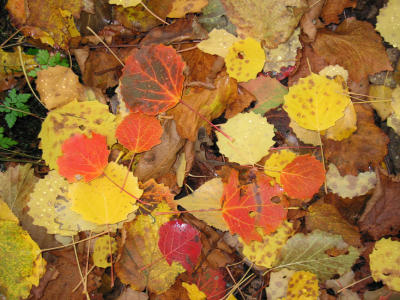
[(277, 162), (316, 102), (245, 59), (384, 263), (303, 285), (103, 248), (265, 253), (74, 117), (181, 7)]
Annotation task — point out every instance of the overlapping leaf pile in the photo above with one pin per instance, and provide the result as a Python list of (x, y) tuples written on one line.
[(286, 184)]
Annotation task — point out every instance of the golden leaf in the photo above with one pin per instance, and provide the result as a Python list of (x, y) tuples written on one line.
[(193, 291), (277, 162), (219, 41), (181, 7), (125, 3), (102, 201), (303, 285), (101, 252)]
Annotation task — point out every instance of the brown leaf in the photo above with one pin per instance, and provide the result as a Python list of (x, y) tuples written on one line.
[(327, 218), (310, 19), (159, 160), (333, 8), (181, 30), (209, 103), (356, 46), (381, 215), (243, 100), (154, 193), (366, 147)]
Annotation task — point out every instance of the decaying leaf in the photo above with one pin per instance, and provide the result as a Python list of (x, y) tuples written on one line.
[(74, 117), (302, 285), (384, 261), (353, 36), (389, 29), (384, 109), (141, 264), (333, 8), (278, 283), (268, 21), (307, 252), (349, 186), (252, 137), (103, 248), (181, 7)]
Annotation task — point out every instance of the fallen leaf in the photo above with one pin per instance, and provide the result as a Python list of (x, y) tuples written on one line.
[(22, 264), (307, 136), (249, 207), (193, 291), (125, 3), (327, 218), (152, 79), (266, 252), (250, 20), (353, 36), (211, 282), (245, 59), (73, 118), (180, 242), (103, 200), (303, 177), (384, 109), (385, 25), (302, 285), (332, 9), (103, 248), (316, 102), (138, 132), (252, 137), (344, 127), (83, 157), (268, 91), (209, 103), (278, 283), (380, 216), (384, 261), (181, 7), (6, 213), (207, 198), (140, 263), (214, 17), (53, 25), (155, 193), (308, 253), (369, 140), (349, 186), (219, 41), (276, 162)]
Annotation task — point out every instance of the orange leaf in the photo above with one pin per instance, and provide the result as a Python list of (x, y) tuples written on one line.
[(303, 177), (83, 156), (139, 132), (152, 79), (251, 207)]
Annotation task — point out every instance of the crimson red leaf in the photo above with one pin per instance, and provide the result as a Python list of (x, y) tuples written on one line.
[(211, 282), (303, 177), (139, 132), (152, 79), (250, 206), (83, 157), (180, 242)]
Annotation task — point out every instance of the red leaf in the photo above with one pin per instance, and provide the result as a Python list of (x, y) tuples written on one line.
[(83, 156), (303, 177), (211, 282), (250, 206), (139, 132), (180, 242), (152, 79)]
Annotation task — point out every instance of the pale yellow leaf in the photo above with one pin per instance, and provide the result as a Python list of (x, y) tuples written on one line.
[(219, 41)]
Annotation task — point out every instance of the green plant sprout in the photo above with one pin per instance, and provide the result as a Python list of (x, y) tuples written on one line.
[(45, 60), (6, 142), (15, 106)]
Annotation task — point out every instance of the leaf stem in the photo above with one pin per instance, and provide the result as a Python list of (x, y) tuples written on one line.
[(22, 111), (153, 14)]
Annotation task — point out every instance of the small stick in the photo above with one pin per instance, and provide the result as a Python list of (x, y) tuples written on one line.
[(153, 14)]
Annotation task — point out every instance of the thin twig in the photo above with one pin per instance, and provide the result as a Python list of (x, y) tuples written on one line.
[(74, 243), (22, 111), (153, 14), (80, 271)]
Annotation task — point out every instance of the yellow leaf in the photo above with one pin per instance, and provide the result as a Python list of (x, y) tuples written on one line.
[(277, 162), (193, 291), (11, 66), (74, 117), (384, 263), (316, 102), (284, 55), (303, 285), (278, 284), (307, 136), (265, 253), (21, 264), (125, 3), (181, 7), (207, 197), (386, 23), (381, 92), (252, 137), (219, 41), (102, 248), (394, 122), (101, 200), (349, 186), (5, 212), (180, 169), (396, 101), (345, 126), (141, 264), (245, 59)]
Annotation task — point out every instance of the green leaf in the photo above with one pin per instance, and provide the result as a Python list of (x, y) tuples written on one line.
[(15, 101), (42, 57), (6, 142), (308, 253), (11, 118)]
